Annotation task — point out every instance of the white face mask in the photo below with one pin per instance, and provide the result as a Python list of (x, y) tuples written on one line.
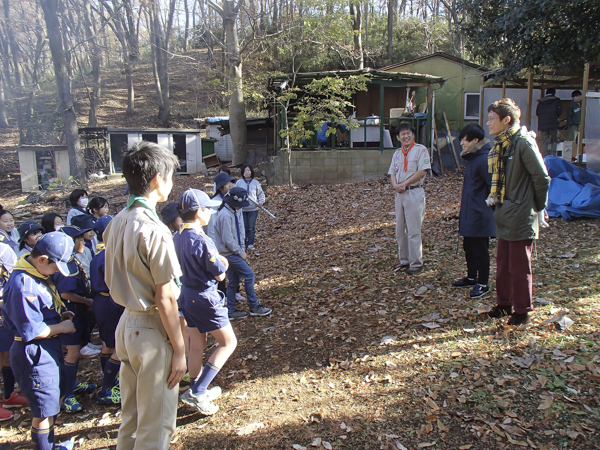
[(83, 202), (58, 228)]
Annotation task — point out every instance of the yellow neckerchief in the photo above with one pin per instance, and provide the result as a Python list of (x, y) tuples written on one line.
[(25, 266), (190, 226), (100, 247), (496, 162)]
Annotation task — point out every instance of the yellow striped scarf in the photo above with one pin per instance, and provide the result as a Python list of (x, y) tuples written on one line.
[(496, 163)]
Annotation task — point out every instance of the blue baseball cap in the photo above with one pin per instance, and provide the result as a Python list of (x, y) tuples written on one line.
[(84, 221), (102, 223), (28, 227), (221, 179), (58, 247), (194, 199), (237, 196), (73, 231), (169, 213)]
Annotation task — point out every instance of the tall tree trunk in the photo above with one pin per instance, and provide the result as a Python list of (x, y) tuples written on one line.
[(131, 31), (356, 14), (64, 89), (14, 46), (92, 39), (186, 32), (390, 27), (3, 116)]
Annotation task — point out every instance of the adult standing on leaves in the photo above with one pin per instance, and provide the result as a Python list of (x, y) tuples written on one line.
[(407, 171), (256, 197), (519, 193), (548, 111), (476, 223)]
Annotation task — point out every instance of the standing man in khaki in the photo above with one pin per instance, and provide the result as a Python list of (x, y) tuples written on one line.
[(407, 170), (141, 265)]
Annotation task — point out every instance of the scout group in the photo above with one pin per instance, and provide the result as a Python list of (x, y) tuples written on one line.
[(155, 287)]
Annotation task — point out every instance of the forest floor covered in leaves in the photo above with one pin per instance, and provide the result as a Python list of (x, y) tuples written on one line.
[(360, 355)]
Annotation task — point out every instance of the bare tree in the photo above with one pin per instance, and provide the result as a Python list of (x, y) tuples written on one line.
[(95, 55), (356, 14)]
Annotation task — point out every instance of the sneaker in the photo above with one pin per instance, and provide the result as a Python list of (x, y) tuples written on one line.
[(464, 282), (67, 445), (89, 351), (500, 311), (237, 314), (260, 311), (71, 405), (95, 346), (111, 397), (239, 297), (5, 414), (479, 290), (413, 270), (251, 247), (15, 400), (83, 388), (518, 319), (186, 378), (202, 403)]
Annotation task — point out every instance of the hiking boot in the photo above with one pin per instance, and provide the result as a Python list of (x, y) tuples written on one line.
[(5, 414), (518, 319), (15, 400), (260, 311), (464, 282), (237, 314), (83, 388), (413, 270), (500, 311), (202, 402), (479, 290), (112, 396), (71, 405)]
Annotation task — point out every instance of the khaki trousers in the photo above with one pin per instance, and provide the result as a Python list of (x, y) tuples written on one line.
[(410, 212), (149, 407)]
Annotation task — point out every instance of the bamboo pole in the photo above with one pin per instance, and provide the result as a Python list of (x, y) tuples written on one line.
[(586, 81)]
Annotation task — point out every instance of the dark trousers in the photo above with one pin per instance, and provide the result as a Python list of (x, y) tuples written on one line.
[(477, 253), (514, 279), (250, 226)]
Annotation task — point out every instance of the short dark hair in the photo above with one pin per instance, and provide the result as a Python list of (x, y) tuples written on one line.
[(76, 195), (48, 221), (143, 161), (188, 216), (576, 93), (405, 126), (5, 211), (96, 203), (550, 91), (472, 132), (35, 253), (506, 107), (249, 167)]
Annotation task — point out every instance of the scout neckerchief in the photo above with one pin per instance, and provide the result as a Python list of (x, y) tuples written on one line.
[(237, 223), (496, 162), (100, 247), (86, 279), (25, 266), (405, 153), (190, 226), (142, 201)]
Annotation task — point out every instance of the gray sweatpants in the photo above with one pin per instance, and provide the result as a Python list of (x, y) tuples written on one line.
[(410, 211)]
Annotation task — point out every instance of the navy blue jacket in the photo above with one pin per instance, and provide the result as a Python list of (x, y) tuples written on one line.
[(548, 111), (476, 218)]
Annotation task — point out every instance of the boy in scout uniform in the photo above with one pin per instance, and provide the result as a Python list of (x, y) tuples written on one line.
[(35, 313), (141, 266), (407, 170)]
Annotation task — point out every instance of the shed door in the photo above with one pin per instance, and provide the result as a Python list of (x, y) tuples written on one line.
[(179, 150), (192, 145), (28, 166)]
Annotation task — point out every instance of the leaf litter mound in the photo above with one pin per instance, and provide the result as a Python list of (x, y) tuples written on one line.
[(357, 354)]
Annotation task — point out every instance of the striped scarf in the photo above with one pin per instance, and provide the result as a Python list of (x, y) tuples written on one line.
[(496, 163)]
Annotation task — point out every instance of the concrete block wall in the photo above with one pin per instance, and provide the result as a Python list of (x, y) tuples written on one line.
[(328, 166)]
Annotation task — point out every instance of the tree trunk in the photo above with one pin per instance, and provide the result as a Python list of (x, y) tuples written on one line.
[(64, 89), (92, 39), (356, 13), (390, 27), (3, 116), (186, 33), (12, 42)]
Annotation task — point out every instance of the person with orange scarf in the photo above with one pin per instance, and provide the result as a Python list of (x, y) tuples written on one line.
[(409, 166)]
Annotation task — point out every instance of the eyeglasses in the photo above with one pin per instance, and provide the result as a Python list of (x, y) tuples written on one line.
[(491, 119)]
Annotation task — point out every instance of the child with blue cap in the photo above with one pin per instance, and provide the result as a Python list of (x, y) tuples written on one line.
[(29, 231), (35, 313), (202, 304), (76, 290)]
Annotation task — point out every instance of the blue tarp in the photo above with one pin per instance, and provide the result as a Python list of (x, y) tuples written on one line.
[(574, 192)]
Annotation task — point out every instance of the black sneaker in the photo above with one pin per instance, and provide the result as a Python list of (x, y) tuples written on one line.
[(479, 290), (518, 319), (260, 311), (464, 282), (500, 311), (237, 314)]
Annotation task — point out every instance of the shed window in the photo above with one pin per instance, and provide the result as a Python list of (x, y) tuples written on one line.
[(472, 102)]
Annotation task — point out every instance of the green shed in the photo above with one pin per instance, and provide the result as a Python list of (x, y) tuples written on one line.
[(459, 96)]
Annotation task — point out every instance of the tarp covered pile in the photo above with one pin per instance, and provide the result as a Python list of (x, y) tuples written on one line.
[(574, 192)]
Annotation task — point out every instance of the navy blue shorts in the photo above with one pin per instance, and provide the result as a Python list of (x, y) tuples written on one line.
[(205, 310), (6, 338), (107, 314), (36, 366), (82, 326)]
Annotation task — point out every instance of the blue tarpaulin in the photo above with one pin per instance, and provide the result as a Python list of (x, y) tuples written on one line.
[(574, 192)]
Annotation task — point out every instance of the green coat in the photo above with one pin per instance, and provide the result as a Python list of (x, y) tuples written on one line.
[(526, 191)]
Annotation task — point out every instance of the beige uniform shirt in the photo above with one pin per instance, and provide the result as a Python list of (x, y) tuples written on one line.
[(139, 255), (417, 158)]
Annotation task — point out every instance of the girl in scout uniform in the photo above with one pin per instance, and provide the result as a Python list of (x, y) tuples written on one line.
[(202, 304), (30, 231), (107, 314), (76, 290), (34, 312)]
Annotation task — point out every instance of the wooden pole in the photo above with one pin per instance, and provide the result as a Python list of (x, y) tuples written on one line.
[(481, 104), (529, 100), (586, 81), (451, 140), (437, 145), (504, 89)]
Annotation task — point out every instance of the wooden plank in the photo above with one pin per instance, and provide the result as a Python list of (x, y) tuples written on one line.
[(437, 145), (529, 100), (586, 81), (451, 140)]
